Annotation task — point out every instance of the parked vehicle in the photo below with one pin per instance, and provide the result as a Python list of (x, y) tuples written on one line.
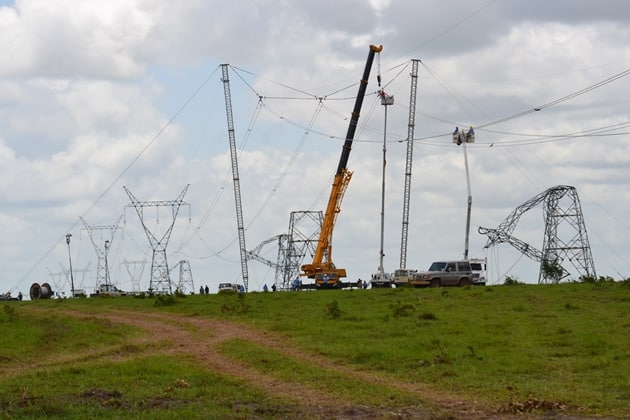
[(478, 267), (403, 276), (107, 290), (445, 273), (381, 280), (230, 288)]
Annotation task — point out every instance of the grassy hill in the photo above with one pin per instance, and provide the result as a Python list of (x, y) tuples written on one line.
[(480, 352)]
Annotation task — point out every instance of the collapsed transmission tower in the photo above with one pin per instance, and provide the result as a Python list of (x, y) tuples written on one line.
[(304, 229), (102, 250), (409, 162), (235, 176), (160, 276), (280, 264), (565, 234)]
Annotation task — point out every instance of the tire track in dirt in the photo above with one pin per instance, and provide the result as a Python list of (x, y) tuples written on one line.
[(200, 338)]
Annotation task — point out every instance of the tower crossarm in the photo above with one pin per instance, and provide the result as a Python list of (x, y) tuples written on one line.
[(158, 243)]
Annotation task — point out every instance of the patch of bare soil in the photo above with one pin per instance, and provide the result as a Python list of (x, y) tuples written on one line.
[(199, 338)]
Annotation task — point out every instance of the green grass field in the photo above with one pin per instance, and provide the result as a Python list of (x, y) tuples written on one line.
[(533, 350)]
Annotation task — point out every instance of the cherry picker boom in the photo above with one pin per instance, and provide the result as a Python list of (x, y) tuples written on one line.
[(322, 269)]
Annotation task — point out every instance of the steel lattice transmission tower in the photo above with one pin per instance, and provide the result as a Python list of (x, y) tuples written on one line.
[(135, 270), (185, 284), (235, 176), (304, 229), (304, 232), (102, 249), (160, 276), (565, 234), (409, 163)]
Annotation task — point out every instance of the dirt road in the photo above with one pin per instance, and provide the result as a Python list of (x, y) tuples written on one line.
[(199, 338)]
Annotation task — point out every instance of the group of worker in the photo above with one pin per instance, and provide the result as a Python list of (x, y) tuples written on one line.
[(266, 289), (7, 296)]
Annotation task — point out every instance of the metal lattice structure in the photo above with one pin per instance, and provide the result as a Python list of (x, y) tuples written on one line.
[(235, 176), (409, 163), (160, 276), (304, 229), (281, 262), (102, 249), (565, 236), (135, 270), (186, 284)]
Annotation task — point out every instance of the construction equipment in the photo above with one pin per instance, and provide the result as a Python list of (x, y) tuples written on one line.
[(459, 137), (322, 269), (381, 278)]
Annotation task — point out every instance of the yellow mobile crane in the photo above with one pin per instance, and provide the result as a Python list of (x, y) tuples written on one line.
[(322, 269)]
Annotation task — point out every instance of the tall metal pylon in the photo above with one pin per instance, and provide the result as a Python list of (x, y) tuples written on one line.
[(102, 249), (565, 234), (160, 276), (409, 163), (186, 284), (237, 183), (135, 273)]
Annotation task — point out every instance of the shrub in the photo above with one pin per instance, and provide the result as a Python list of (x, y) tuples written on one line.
[(332, 310), (511, 281), (165, 300), (401, 310)]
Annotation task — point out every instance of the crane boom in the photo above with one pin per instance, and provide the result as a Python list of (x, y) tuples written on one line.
[(322, 269)]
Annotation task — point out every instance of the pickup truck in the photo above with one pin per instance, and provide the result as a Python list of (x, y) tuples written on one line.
[(445, 273)]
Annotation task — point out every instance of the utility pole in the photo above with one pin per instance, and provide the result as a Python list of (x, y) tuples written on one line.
[(68, 236)]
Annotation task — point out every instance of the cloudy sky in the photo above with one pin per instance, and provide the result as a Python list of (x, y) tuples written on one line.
[(95, 96)]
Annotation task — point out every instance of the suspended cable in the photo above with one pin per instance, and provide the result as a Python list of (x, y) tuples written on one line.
[(450, 28), (124, 171), (289, 164), (560, 100)]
